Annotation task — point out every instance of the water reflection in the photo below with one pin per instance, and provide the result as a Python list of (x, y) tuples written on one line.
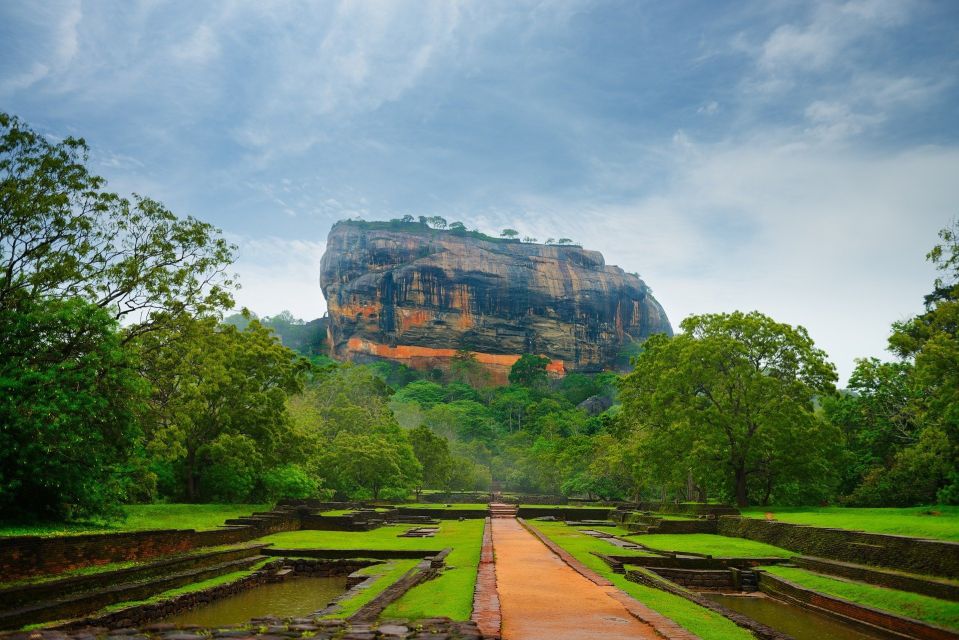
[(800, 623), (291, 598)]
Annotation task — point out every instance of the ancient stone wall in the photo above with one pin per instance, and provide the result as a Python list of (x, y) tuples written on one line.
[(933, 557), (580, 513), (698, 579), (875, 619), (26, 556), (892, 579)]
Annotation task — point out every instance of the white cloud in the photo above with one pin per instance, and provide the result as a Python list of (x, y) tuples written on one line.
[(277, 274), (708, 108), (832, 29), (833, 121), (823, 236)]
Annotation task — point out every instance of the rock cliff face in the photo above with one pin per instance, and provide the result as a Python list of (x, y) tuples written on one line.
[(415, 295)]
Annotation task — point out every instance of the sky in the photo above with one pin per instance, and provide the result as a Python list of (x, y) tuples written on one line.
[(796, 158)]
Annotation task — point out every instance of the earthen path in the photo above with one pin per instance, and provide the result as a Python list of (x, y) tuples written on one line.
[(541, 597)]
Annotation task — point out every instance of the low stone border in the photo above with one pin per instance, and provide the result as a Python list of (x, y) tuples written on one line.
[(902, 553), (616, 562), (148, 613), (28, 556), (869, 618), (272, 629), (444, 514), (83, 603), (882, 577), (329, 554), (486, 606), (427, 569), (57, 588), (663, 625), (650, 579), (568, 513)]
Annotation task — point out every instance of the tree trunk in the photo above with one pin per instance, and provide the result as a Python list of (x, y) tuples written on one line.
[(742, 497), (191, 476)]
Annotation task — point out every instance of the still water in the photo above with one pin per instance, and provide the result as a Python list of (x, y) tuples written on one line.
[(291, 598), (800, 623)]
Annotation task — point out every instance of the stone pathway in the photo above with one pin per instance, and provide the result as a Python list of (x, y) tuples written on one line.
[(541, 597)]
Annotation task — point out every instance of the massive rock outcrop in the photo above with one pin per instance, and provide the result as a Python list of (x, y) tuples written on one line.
[(415, 295)]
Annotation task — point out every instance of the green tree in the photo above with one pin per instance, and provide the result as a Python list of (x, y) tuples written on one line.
[(63, 236), (529, 371), (877, 416), (509, 233), (931, 342), (290, 482), (433, 454), (733, 393), (457, 227), (68, 397), (371, 462), (210, 381), (437, 222)]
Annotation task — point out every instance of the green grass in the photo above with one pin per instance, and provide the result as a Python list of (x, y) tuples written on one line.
[(710, 544), (452, 507), (388, 573), (567, 506), (701, 621), (103, 568), (912, 605), (140, 517), (940, 522), (382, 538), (190, 588), (450, 594)]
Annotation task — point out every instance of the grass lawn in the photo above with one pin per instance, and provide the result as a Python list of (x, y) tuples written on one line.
[(141, 517), (451, 533), (190, 588), (940, 522), (451, 594), (710, 544), (387, 573), (701, 621), (452, 507), (912, 605), (103, 568), (568, 506)]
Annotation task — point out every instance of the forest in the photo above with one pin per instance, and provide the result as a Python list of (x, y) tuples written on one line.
[(126, 377)]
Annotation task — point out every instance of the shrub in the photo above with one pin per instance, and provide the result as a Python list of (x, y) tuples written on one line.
[(289, 481)]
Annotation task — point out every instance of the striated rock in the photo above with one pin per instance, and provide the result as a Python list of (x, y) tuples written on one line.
[(415, 295)]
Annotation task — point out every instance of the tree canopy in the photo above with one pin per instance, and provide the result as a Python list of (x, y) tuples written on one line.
[(729, 402)]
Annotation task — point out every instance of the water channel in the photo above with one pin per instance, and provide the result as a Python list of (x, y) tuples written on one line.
[(291, 598), (797, 622)]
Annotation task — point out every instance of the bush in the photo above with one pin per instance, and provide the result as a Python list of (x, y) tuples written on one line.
[(289, 482), (230, 471), (67, 428), (395, 494)]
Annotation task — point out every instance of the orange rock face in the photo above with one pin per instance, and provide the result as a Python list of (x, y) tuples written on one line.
[(410, 294)]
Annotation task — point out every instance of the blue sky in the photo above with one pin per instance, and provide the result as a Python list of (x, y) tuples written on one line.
[(791, 157)]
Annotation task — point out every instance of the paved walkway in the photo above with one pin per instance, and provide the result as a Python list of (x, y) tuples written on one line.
[(541, 597)]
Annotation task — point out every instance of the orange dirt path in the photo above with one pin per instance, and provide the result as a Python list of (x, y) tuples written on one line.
[(541, 597)]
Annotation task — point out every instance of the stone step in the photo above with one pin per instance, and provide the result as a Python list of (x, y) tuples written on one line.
[(80, 604), (942, 588), (15, 596)]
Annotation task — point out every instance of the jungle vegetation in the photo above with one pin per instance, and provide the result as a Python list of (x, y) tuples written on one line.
[(121, 382)]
